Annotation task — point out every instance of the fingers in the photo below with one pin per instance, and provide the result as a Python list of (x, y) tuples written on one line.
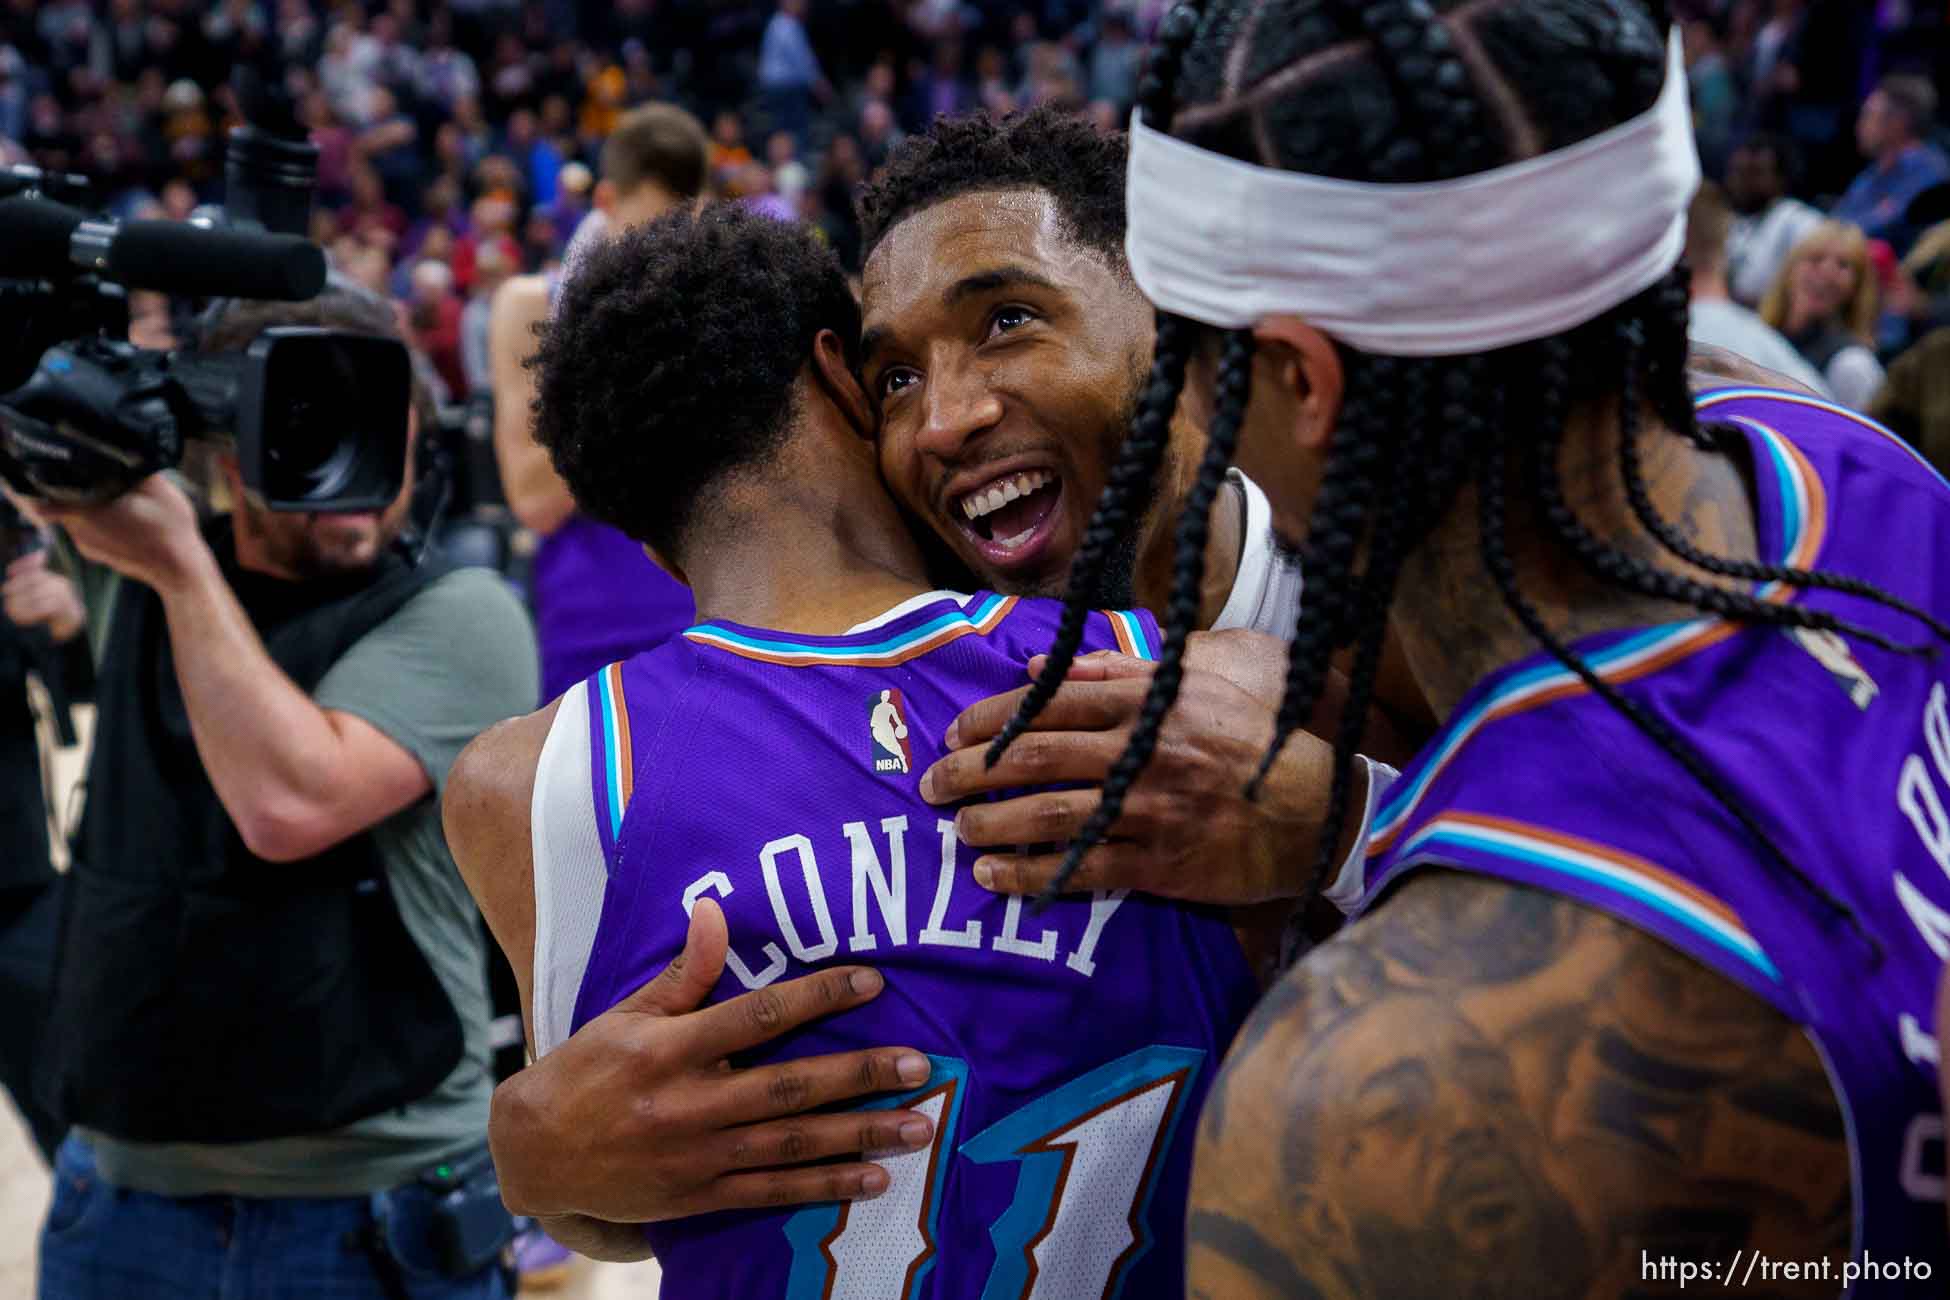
[(1098, 666), (1038, 758), (1048, 817), (1076, 706), (769, 1091), (34, 598), (29, 563), (753, 1018), (684, 984), (759, 1191), (811, 1138), (1117, 864)]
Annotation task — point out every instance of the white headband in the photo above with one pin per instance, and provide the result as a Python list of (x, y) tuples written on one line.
[(1441, 269)]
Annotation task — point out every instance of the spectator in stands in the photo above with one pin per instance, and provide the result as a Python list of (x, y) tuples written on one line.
[(941, 91), (597, 597), (434, 317), (1716, 318), (728, 149), (1716, 100), (490, 221), (369, 206), (1768, 224), (574, 191), (1915, 399), (491, 271), (1114, 64), (1891, 130), (789, 75), (446, 75), (476, 136), (390, 144), (879, 135), (1824, 301)]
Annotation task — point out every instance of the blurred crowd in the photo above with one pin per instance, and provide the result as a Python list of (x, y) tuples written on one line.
[(459, 138), (1821, 238)]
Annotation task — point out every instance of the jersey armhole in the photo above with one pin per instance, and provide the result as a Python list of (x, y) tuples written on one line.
[(570, 868), (1618, 884)]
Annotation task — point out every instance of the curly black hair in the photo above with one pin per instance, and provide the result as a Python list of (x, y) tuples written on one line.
[(1046, 149), (670, 361)]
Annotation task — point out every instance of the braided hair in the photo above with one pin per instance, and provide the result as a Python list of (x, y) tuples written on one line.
[(1396, 91)]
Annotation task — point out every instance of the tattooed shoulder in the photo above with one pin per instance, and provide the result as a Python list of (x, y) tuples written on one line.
[(1485, 1090)]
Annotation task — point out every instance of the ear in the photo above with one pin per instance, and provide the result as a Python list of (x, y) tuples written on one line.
[(836, 378), (1309, 362), (663, 562), (604, 198)]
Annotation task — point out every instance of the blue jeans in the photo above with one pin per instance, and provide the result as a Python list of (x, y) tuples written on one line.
[(103, 1242)]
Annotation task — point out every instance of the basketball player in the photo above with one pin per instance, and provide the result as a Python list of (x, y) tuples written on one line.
[(765, 765), (1007, 349), (1642, 984), (597, 598)]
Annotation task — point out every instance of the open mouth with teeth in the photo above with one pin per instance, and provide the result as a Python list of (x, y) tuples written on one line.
[(1007, 516)]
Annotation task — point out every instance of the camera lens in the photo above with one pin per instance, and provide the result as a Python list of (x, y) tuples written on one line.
[(311, 458)]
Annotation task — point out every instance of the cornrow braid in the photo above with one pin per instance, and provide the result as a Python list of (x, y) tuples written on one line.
[(1420, 63), (1157, 88), (1194, 528), (1327, 561), (1398, 103), (1116, 518), (1496, 557), (1418, 58), (1377, 592)]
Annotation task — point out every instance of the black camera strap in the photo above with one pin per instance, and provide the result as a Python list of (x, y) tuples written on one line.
[(372, 1240)]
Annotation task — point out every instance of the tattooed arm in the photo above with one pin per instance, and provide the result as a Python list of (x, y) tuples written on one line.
[(1483, 1090)]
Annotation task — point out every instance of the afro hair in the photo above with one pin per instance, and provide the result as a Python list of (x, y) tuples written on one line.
[(671, 358)]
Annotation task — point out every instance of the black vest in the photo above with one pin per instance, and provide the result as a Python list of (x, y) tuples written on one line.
[(206, 995)]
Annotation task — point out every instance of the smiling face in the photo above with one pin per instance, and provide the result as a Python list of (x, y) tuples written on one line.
[(1823, 279), (1005, 359)]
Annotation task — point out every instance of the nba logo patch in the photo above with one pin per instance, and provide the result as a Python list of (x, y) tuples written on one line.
[(887, 732)]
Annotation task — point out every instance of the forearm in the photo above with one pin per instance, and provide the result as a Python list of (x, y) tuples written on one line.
[(264, 743), (614, 1243)]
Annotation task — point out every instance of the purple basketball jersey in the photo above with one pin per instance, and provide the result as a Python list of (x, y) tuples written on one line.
[(1840, 750), (598, 598), (1072, 1046)]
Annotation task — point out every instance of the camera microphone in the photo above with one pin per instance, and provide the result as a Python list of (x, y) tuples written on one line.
[(166, 256)]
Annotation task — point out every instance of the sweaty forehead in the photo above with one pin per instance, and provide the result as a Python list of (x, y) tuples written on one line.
[(931, 250)]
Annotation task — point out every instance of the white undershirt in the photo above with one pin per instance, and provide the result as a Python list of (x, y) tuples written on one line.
[(1265, 594)]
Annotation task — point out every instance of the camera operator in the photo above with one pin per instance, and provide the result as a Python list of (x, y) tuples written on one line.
[(271, 1024)]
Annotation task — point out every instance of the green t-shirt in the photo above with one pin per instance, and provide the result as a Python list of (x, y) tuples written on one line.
[(452, 661)]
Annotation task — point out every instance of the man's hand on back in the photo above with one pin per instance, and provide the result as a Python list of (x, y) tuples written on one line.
[(1187, 830), (639, 1116)]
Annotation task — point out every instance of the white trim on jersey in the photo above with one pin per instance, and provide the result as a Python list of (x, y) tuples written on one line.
[(570, 873)]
